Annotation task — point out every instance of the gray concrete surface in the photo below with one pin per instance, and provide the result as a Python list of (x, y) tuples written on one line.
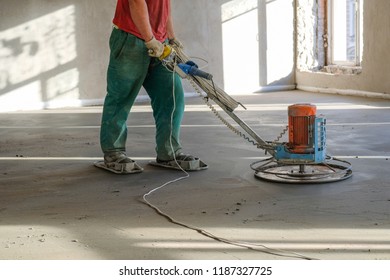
[(55, 205)]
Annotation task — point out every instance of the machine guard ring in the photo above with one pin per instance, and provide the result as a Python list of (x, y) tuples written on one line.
[(332, 170)]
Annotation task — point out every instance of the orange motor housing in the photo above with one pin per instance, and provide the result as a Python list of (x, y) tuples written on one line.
[(301, 119)]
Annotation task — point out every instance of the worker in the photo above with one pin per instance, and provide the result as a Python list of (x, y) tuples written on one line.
[(141, 28)]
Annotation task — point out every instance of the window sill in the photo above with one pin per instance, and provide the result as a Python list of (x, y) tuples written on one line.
[(340, 69)]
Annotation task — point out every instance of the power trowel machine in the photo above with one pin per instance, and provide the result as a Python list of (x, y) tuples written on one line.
[(302, 159)]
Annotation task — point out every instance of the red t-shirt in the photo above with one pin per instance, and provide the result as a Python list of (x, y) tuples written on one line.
[(158, 14)]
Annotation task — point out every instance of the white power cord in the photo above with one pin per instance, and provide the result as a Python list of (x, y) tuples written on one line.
[(172, 149), (247, 245)]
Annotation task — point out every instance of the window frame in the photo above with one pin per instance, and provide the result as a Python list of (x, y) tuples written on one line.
[(358, 29)]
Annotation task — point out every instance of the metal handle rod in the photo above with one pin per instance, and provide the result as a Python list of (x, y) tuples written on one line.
[(250, 131), (264, 145)]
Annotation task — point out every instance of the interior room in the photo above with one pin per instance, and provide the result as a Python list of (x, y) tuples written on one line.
[(328, 202)]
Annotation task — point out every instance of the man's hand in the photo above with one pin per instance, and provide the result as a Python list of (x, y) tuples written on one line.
[(155, 47), (176, 42)]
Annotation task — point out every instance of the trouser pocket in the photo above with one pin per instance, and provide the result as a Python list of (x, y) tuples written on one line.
[(117, 42)]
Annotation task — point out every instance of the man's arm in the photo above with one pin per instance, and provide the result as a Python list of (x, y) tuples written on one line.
[(140, 15), (170, 30)]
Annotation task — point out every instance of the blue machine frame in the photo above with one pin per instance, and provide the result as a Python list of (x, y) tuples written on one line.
[(318, 155)]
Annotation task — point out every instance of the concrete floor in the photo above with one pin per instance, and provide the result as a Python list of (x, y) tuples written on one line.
[(55, 205)]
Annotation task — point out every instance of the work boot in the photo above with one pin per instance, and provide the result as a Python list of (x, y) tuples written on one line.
[(119, 163), (118, 157)]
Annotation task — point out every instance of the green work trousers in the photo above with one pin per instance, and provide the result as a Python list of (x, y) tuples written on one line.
[(130, 68)]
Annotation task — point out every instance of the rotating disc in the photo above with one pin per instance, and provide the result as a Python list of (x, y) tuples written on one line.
[(330, 171)]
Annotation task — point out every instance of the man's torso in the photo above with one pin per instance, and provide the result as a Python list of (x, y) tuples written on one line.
[(158, 14)]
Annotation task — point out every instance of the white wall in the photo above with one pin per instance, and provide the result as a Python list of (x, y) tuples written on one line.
[(55, 53), (52, 53), (374, 80)]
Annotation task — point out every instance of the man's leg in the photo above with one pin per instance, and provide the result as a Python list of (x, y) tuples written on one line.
[(167, 98), (127, 69)]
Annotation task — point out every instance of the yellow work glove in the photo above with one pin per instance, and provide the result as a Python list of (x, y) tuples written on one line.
[(155, 47)]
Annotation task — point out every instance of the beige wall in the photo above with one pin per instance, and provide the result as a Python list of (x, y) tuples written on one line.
[(55, 53), (247, 47), (375, 76)]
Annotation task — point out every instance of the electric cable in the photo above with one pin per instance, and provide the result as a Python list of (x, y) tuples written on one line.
[(170, 140), (242, 244)]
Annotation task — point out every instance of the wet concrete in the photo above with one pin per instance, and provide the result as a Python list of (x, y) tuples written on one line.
[(54, 204)]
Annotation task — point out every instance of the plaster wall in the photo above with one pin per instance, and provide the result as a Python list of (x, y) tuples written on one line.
[(374, 77), (310, 43), (55, 53)]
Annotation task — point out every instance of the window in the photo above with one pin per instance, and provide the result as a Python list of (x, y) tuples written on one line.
[(345, 32)]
